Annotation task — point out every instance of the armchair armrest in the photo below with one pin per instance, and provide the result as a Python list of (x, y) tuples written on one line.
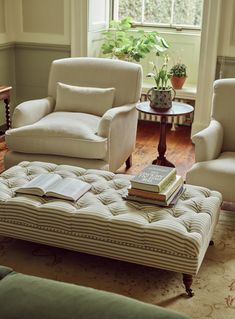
[(32, 111), (112, 115), (119, 126), (208, 142)]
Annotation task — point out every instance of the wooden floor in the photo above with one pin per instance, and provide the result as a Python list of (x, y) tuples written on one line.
[(180, 150)]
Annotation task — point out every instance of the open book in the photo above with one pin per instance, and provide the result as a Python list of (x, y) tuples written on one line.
[(53, 185)]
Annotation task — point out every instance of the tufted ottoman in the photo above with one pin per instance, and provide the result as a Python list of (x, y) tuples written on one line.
[(102, 223)]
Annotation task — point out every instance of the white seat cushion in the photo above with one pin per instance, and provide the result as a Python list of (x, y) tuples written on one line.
[(60, 133), (218, 174)]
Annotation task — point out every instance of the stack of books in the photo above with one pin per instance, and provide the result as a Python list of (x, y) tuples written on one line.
[(159, 185)]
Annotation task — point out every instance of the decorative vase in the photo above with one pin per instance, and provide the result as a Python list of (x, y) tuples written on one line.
[(178, 81), (161, 99)]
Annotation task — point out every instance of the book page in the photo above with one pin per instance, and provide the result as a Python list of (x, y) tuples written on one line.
[(68, 188), (39, 184)]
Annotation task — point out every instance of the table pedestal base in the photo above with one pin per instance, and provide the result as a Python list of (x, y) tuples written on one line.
[(162, 162), (177, 109)]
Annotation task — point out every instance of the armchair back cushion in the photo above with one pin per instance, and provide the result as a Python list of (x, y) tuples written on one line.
[(224, 111), (105, 74), (90, 100)]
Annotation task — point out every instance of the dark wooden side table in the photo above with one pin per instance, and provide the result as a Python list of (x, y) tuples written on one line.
[(5, 96), (177, 109)]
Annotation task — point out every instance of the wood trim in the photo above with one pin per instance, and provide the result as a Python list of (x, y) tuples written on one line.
[(186, 93), (6, 46), (79, 27), (226, 59), (207, 63), (34, 45), (42, 46)]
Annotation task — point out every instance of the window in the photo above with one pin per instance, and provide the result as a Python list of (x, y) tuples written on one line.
[(162, 13)]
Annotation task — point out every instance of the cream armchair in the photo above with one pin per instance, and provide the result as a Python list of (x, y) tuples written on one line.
[(215, 145), (88, 119)]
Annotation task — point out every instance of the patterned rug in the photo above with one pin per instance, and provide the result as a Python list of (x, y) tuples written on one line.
[(214, 286)]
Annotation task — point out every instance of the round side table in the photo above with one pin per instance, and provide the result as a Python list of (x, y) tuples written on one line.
[(177, 109)]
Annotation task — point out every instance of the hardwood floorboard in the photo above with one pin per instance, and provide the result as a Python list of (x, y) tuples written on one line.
[(180, 149)]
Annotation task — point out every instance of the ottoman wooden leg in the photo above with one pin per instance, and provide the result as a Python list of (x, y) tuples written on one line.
[(188, 280), (129, 162)]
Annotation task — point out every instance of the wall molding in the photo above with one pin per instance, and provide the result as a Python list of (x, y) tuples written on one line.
[(79, 27), (42, 46), (6, 46), (225, 67), (35, 46), (225, 59), (207, 64)]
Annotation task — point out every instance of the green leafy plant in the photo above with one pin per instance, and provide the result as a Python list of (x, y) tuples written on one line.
[(179, 70), (121, 43), (161, 75)]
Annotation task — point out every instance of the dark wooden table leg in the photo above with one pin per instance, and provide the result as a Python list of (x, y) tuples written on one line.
[(188, 280), (161, 159), (8, 118), (129, 162), (211, 243)]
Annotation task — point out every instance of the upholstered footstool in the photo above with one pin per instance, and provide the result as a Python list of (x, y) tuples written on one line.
[(104, 224)]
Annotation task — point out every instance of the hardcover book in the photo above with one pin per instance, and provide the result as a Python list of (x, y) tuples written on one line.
[(53, 185), (153, 178), (172, 200), (174, 184)]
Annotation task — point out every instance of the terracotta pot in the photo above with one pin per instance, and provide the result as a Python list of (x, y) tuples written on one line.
[(178, 82)]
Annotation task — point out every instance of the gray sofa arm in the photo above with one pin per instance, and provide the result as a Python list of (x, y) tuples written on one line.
[(27, 297), (32, 111)]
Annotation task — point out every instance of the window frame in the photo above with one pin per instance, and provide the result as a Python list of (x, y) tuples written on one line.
[(168, 26)]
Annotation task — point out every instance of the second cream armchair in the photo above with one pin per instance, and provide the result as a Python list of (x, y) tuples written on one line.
[(88, 119), (215, 145)]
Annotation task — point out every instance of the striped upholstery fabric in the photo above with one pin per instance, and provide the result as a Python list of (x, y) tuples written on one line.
[(102, 223)]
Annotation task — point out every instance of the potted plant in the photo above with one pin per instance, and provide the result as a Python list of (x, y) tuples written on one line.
[(121, 43), (160, 96), (178, 75)]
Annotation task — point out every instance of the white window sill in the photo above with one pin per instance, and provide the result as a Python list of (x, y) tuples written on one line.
[(188, 92)]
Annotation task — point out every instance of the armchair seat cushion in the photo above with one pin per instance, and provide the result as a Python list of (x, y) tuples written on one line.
[(60, 133), (218, 174)]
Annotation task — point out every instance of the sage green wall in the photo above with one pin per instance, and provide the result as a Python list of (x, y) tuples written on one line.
[(43, 16), (32, 68), (7, 75), (2, 17)]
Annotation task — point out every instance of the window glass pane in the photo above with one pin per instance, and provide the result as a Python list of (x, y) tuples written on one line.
[(188, 12), (130, 8), (157, 11)]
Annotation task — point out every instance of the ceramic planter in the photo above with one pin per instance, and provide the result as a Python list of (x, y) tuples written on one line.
[(161, 99)]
